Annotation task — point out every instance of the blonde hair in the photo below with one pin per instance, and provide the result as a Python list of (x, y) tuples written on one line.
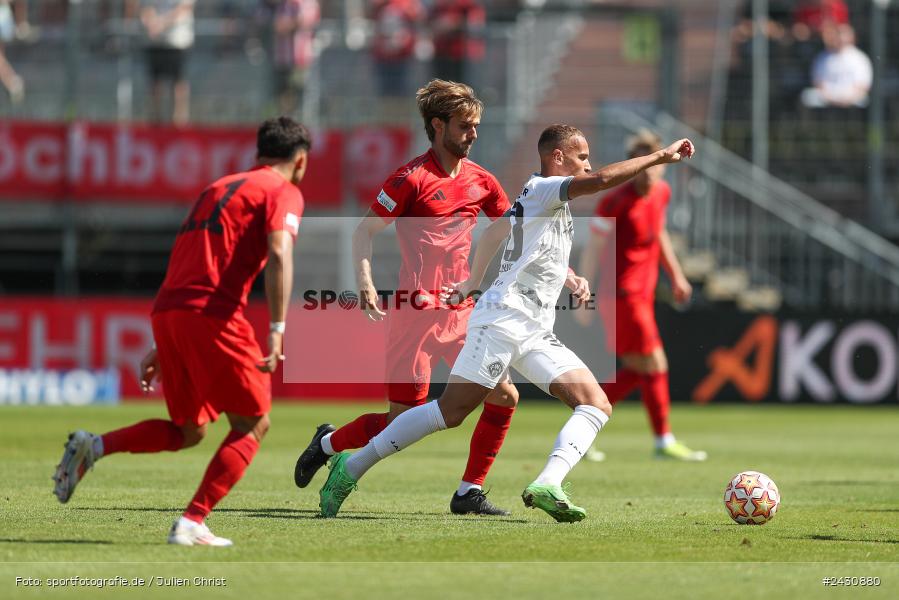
[(642, 143), (443, 99)]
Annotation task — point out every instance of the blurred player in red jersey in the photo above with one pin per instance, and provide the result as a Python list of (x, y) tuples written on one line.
[(437, 197), (206, 353), (636, 213)]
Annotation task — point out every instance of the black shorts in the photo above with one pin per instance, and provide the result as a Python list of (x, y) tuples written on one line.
[(166, 63)]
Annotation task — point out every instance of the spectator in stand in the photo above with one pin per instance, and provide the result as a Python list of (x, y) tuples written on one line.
[(842, 74), (293, 27), (10, 28), (811, 16), (169, 31), (396, 25), (457, 29)]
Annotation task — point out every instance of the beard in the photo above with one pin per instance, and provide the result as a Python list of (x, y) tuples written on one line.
[(459, 150)]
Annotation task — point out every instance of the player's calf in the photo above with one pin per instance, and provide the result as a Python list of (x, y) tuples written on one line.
[(460, 398)]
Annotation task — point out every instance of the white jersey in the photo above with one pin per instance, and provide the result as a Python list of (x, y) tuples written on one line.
[(535, 262)]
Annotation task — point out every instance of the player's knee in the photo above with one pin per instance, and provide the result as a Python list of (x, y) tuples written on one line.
[(262, 426), (506, 395), (593, 396), (193, 434), (454, 417)]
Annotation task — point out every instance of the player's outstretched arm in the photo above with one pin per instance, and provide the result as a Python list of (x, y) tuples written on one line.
[(617, 173), (278, 283), (370, 225), (488, 244)]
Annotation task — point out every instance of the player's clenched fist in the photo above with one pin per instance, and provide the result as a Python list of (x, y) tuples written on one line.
[(368, 297), (149, 370), (678, 151), (275, 354)]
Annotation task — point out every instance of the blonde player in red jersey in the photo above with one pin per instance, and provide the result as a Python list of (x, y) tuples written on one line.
[(206, 353), (434, 200), (635, 211)]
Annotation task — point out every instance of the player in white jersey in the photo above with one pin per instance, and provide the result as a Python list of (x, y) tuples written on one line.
[(512, 323)]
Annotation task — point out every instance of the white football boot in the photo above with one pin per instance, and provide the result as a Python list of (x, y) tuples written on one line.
[(185, 532), (77, 458)]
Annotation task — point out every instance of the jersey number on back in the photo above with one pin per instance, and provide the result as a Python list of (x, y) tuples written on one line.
[(212, 223), (513, 248)]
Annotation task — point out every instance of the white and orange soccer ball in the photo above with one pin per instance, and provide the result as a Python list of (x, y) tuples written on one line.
[(751, 498)]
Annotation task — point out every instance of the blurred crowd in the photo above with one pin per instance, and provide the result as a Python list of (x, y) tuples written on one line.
[(447, 35), (813, 57)]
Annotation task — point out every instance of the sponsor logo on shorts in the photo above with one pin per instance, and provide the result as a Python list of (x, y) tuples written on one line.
[(386, 201), (496, 368)]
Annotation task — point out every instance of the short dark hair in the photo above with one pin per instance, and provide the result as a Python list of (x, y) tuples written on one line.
[(281, 137), (556, 136)]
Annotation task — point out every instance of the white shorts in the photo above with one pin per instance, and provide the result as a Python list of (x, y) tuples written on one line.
[(490, 351)]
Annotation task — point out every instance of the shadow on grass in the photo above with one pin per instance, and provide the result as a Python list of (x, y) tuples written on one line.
[(308, 513), (24, 541), (833, 538)]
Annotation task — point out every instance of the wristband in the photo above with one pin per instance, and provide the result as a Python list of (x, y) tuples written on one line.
[(277, 327)]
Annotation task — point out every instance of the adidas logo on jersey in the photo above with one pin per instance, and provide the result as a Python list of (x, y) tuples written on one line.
[(439, 196)]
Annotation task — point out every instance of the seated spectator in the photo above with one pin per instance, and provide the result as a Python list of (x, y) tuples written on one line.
[(10, 28), (842, 74), (811, 16), (396, 25)]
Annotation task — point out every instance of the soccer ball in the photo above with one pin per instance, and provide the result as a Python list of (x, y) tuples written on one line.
[(751, 498)]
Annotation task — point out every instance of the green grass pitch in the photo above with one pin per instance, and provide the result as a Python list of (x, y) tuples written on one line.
[(654, 529)]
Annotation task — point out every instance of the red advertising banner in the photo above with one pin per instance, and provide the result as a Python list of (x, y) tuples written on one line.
[(100, 333), (145, 163)]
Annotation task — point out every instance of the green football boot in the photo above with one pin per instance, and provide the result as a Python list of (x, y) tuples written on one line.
[(554, 501), (678, 451), (337, 487)]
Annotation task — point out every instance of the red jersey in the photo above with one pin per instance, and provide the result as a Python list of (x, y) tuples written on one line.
[(223, 244), (458, 27), (435, 245), (395, 28), (816, 14), (638, 222)]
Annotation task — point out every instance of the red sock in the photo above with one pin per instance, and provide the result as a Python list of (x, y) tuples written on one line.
[(625, 381), (486, 441), (357, 433), (154, 435), (224, 471), (657, 401)]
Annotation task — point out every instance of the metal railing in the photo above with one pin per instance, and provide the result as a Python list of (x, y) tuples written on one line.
[(781, 236)]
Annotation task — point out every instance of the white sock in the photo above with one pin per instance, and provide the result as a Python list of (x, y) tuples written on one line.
[(573, 441), (464, 486), (403, 431), (326, 445), (185, 522), (665, 440), (97, 446)]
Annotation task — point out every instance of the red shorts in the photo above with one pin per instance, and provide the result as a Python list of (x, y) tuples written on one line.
[(634, 324), (208, 367), (416, 341)]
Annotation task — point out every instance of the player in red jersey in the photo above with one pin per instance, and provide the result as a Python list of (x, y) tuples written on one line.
[(437, 197), (636, 213), (205, 352)]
